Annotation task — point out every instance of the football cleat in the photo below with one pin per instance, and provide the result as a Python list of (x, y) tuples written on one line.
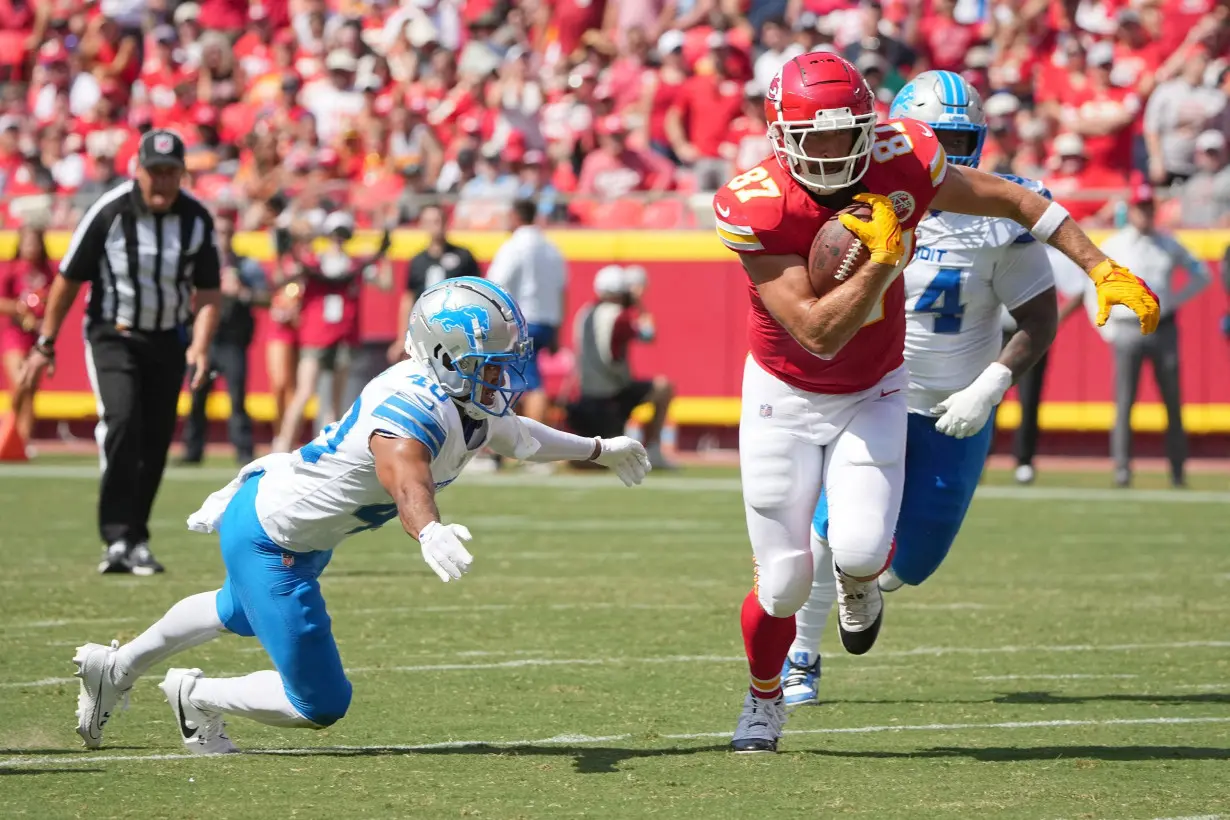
[(760, 725), (860, 611), (98, 694), (142, 562), (203, 732), (800, 681), (889, 582), (115, 559), (1025, 474)]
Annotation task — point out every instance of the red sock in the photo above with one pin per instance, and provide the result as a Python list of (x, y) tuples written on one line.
[(767, 642)]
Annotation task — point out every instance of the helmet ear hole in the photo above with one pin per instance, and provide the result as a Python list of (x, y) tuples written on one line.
[(444, 358)]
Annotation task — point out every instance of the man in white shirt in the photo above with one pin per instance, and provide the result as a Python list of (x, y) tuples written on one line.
[(1156, 255), (532, 269)]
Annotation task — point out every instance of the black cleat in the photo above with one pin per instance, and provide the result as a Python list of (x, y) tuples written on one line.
[(115, 559), (142, 562), (860, 611)]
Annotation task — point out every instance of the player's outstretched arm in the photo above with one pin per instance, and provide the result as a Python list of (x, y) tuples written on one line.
[(970, 191), (824, 325), (626, 457), (403, 466)]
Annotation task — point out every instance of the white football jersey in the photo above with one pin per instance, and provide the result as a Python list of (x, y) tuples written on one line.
[(328, 489), (963, 270)]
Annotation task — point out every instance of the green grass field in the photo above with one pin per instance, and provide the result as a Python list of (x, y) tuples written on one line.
[(1072, 659)]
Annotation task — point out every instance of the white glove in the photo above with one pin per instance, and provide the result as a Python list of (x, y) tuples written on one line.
[(965, 412), (443, 550), (626, 457)]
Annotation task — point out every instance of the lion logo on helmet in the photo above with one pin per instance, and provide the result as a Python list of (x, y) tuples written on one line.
[(471, 320)]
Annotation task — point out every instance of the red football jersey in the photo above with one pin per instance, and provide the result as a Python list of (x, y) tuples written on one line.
[(765, 211)]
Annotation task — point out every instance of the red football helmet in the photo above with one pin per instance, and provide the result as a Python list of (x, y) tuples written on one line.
[(813, 94)]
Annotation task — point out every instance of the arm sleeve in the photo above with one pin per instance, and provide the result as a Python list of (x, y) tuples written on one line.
[(553, 445), (86, 249), (1023, 272), (207, 270)]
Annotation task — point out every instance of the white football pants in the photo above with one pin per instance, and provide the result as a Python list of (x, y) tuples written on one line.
[(792, 442)]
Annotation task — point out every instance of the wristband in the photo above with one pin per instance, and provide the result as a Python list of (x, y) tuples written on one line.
[(597, 449), (1049, 222), (46, 345)]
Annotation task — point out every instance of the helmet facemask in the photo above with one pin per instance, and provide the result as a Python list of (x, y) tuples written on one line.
[(797, 145)]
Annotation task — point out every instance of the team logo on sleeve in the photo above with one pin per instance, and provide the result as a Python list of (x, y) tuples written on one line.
[(903, 204)]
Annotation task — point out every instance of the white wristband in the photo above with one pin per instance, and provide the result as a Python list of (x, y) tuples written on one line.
[(1049, 222)]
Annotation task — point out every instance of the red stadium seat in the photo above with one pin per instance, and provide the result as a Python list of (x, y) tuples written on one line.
[(619, 214), (668, 214)]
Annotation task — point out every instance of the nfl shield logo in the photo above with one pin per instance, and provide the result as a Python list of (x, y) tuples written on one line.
[(163, 143), (766, 411), (288, 560)]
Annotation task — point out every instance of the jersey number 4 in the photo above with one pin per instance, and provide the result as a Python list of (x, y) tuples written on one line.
[(943, 298), (759, 177)]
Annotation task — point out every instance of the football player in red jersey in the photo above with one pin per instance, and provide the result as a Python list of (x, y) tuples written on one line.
[(824, 386)]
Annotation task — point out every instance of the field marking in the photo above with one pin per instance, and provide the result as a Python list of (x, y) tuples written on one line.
[(579, 739), (521, 663), (514, 481), (1051, 677)]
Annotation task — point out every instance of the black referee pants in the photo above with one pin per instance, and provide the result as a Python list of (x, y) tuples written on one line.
[(137, 378)]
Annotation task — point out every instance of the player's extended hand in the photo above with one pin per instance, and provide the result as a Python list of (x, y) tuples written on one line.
[(443, 550), (626, 456), (882, 233), (1116, 285), (965, 412)]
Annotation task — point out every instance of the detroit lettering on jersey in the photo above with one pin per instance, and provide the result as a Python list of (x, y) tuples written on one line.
[(330, 491), (765, 211), (963, 270)]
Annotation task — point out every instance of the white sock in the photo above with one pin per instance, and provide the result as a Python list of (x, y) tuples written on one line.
[(189, 623), (811, 620), (259, 696)]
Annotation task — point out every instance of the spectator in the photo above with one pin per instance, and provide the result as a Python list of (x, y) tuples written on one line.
[(778, 49), (1101, 113), (328, 323), (531, 268), (1155, 256), (440, 260), (874, 38), (943, 41), (603, 331), (534, 176), (1084, 189), (745, 146), (1205, 197), (243, 286), (698, 121), (24, 285), (615, 170), (1179, 110)]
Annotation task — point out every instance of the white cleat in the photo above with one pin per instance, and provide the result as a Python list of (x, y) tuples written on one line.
[(203, 732), (860, 611), (889, 582), (1025, 474), (760, 725), (98, 694)]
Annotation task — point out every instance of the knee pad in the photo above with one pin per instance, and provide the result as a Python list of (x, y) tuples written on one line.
[(326, 706), (785, 585), (862, 554)]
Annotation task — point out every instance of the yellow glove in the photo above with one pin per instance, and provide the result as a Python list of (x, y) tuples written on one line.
[(1116, 285), (882, 233)]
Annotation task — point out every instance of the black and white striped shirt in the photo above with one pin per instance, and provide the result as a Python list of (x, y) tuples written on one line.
[(143, 266)]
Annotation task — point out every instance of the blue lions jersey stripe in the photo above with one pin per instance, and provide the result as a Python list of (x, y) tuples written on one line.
[(414, 421)]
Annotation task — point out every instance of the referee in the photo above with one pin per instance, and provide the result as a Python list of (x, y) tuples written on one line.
[(148, 251)]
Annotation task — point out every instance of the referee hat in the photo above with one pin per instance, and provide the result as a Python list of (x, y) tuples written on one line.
[(160, 147)]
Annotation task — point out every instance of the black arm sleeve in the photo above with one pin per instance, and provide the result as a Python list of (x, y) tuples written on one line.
[(207, 269), (87, 248)]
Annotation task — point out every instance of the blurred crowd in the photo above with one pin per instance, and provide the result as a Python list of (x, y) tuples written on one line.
[(581, 104)]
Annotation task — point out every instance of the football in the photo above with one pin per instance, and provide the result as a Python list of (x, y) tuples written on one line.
[(835, 252)]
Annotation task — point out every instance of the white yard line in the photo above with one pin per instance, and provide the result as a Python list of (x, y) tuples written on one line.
[(515, 481), (1052, 677), (579, 739), (522, 663)]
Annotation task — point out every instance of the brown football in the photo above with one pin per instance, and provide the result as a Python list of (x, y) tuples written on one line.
[(835, 252)]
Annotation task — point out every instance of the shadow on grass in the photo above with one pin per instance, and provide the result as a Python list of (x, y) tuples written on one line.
[(1008, 754), (75, 770), (1049, 698)]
